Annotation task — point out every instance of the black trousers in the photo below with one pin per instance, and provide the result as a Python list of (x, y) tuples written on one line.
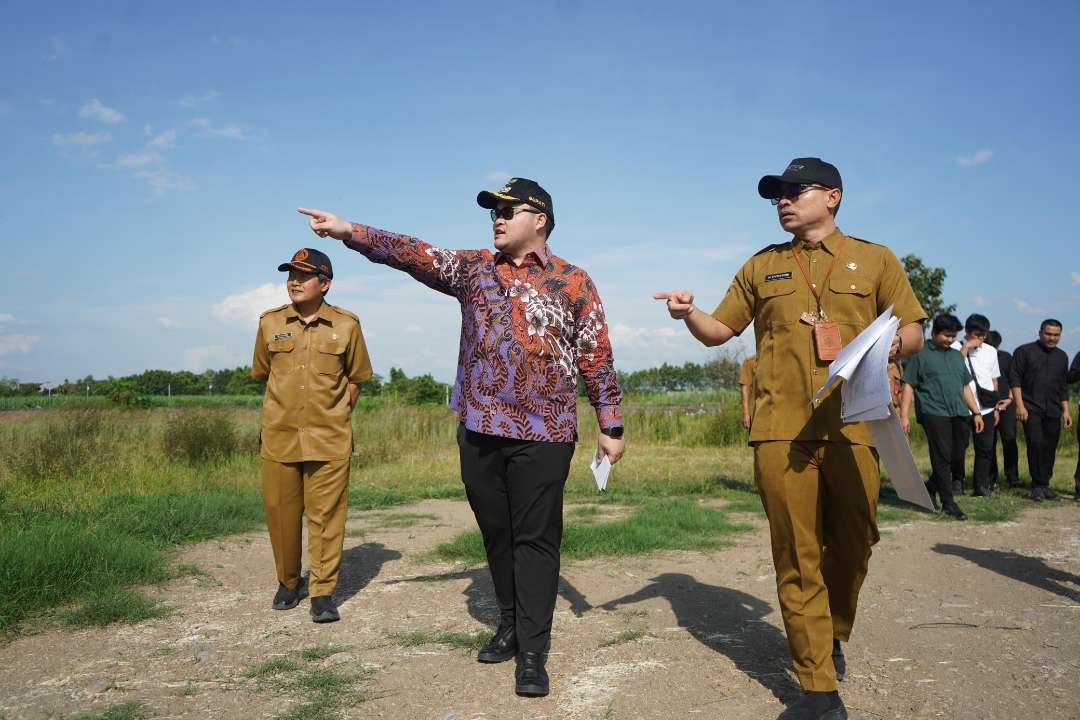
[(960, 433), (1076, 475), (515, 489), (1042, 434), (1006, 432), (985, 444), (941, 434)]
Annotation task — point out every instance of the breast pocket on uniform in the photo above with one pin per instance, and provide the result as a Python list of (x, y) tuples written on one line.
[(774, 305), (281, 354), (329, 358)]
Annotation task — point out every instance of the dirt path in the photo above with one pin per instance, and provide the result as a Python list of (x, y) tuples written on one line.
[(956, 621)]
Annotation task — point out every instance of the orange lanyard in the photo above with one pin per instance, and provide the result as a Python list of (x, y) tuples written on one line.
[(814, 290)]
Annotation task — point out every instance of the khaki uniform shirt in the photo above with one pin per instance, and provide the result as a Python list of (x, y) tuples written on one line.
[(771, 291), (308, 368)]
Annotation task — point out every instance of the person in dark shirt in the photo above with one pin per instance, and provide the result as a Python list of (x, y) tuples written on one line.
[(1006, 427), (1038, 377), (1074, 376), (939, 381)]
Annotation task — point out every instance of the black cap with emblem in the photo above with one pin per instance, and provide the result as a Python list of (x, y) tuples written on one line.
[(519, 190), (309, 260), (801, 171)]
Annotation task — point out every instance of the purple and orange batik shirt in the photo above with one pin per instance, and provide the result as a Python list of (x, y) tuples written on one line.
[(526, 332)]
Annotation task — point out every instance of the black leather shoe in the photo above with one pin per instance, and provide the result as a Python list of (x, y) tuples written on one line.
[(1049, 494), (953, 510), (503, 646), (286, 599), (530, 677), (323, 610), (816, 706), (838, 660)]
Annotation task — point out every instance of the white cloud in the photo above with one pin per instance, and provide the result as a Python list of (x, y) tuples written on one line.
[(93, 108), (168, 323), (498, 177), (161, 179), (979, 301), (1022, 306), (81, 139), (6, 318), (130, 160), (17, 344), (162, 140), (207, 357), (979, 157), (1075, 278), (229, 132), (192, 100), (243, 309)]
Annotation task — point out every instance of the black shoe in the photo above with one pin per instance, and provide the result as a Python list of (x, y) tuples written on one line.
[(816, 706), (530, 677), (323, 610), (838, 660), (953, 510), (503, 646), (1014, 484), (1049, 494), (1036, 494), (286, 599)]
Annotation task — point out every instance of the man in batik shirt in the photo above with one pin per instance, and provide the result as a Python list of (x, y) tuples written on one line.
[(530, 322)]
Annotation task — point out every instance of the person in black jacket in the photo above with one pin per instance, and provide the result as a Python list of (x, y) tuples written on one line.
[(1038, 377), (1006, 427)]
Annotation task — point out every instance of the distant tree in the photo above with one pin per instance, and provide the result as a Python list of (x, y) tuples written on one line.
[(927, 282)]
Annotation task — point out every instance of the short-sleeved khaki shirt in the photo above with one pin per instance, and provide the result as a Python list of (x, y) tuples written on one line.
[(771, 291), (308, 368)]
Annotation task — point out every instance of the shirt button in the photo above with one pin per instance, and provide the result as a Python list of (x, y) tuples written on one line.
[(813, 285), (852, 287), (301, 387), (814, 371)]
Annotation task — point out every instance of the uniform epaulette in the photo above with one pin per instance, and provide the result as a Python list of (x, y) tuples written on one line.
[(345, 312), (272, 310), (868, 242), (772, 248)]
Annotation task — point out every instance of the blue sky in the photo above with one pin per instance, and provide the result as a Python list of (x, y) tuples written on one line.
[(154, 155)]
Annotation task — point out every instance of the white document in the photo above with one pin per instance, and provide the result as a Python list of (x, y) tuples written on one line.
[(600, 470), (865, 397)]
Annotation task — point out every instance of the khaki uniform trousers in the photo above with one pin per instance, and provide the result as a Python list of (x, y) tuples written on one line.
[(321, 490), (821, 501)]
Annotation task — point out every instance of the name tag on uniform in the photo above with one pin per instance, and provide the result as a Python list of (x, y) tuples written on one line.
[(283, 335), (778, 276)]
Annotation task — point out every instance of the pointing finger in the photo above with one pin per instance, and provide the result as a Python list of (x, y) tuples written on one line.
[(318, 214), (661, 296)]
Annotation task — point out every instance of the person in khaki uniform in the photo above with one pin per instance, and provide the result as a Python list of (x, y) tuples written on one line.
[(746, 389), (817, 477), (312, 357)]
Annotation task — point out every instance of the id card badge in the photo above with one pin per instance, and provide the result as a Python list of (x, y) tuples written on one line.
[(827, 340)]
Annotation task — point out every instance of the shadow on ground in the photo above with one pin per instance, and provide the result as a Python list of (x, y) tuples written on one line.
[(728, 622), (1030, 570)]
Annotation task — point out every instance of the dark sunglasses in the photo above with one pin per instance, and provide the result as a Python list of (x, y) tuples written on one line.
[(792, 192), (507, 213)]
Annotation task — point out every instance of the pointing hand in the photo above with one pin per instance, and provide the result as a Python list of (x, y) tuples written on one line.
[(323, 223)]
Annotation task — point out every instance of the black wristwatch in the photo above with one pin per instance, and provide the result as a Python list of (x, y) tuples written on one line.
[(615, 431)]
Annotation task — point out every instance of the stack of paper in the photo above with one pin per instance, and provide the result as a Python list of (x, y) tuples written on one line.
[(600, 469), (865, 397)]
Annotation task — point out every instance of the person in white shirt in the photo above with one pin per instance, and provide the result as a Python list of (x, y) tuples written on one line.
[(982, 362)]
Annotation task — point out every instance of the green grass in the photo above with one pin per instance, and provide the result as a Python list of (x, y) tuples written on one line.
[(319, 693), (465, 641), (400, 520), (127, 711), (92, 505), (319, 652), (665, 524), (626, 636)]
